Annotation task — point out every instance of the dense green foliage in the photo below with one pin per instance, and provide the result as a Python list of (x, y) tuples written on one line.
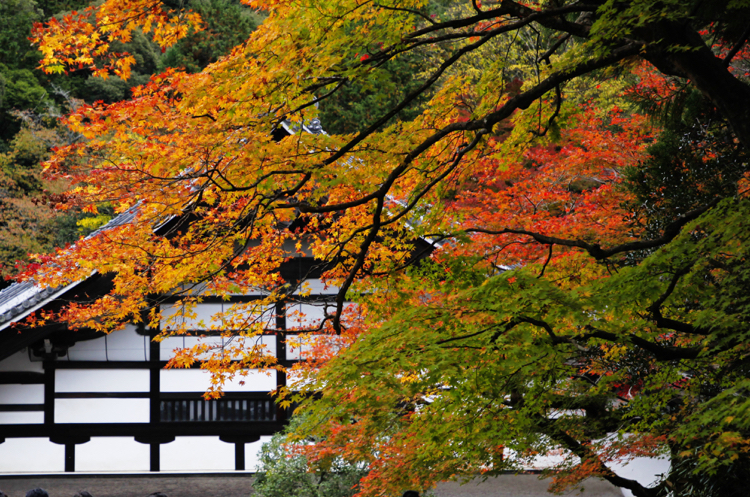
[(282, 473), (228, 24)]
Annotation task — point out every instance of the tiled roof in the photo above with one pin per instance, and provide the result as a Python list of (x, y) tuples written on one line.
[(21, 299)]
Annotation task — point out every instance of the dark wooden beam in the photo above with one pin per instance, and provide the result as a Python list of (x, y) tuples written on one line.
[(239, 456), (102, 395), (155, 457), (49, 393), (20, 377), (21, 407), (70, 458), (143, 432)]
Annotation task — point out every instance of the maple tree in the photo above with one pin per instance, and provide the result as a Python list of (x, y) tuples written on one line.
[(31, 101), (569, 280)]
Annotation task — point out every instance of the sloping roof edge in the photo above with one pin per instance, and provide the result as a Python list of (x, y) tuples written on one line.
[(19, 300), (28, 298)]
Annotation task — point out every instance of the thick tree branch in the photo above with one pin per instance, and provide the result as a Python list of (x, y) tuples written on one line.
[(736, 48), (520, 101), (586, 454), (550, 18), (661, 352), (696, 62), (594, 249)]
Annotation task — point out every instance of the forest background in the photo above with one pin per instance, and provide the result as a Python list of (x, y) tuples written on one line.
[(31, 102)]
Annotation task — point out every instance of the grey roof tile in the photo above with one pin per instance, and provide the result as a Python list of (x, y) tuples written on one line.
[(16, 299)]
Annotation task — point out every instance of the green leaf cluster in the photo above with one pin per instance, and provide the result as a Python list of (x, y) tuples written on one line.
[(282, 473)]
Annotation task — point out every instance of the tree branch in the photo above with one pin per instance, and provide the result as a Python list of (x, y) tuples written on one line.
[(595, 250), (661, 352)]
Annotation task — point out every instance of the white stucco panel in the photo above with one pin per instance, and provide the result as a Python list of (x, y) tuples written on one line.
[(22, 394), (101, 380), (31, 455), (20, 362), (314, 287), (198, 380), (197, 454), (127, 345), (101, 410), (21, 418), (169, 346), (112, 454), (307, 316)]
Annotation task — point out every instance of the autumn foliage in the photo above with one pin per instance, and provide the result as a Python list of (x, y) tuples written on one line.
[(572, 298)]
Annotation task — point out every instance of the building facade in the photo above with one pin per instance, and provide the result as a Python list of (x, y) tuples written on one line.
[(85, 401)]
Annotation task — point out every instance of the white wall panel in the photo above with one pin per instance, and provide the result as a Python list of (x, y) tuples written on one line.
[(21, 418), (102, 380), (197, 454), (31, 455), (266, 343), (306, 316), (168, 346), (255, 291), (315, 287), (200, 317), (208, 316), (22, 394), (88, 350), (198, 380), (20, 362), (249, 316), (127, 345), (645, 470), (252, 454), (112, 454), (300, 347), (101, 410)]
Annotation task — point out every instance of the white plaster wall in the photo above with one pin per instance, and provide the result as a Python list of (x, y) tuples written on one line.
[(120, 345), (168, 346), (31, 455), (197, 454), (112, 454), (208, 316), (22, 394), (198, 380), (306, 316), (315, 287), (101, 380), (299, 347), (101, 410), (200, 317), (252, 452), (88, 350), (645, 470), (248, 315), (265, 342), (127, 345), (20, 362), (21, 418)]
